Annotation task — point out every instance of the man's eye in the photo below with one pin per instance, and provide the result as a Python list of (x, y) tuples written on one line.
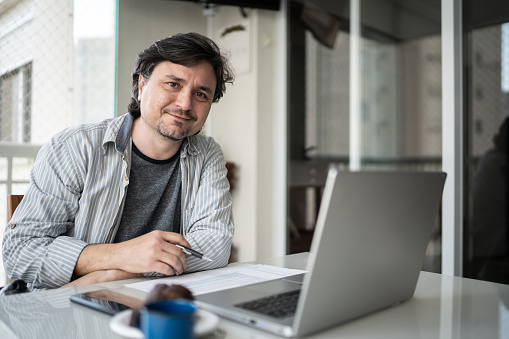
[(201, 96), (173, 84)]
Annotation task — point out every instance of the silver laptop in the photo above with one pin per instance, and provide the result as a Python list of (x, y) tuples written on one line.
[(366, 255)]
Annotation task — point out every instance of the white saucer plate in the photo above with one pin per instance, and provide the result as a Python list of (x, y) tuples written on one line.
[(205, 323)]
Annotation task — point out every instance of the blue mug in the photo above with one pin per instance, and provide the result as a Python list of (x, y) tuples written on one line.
[(173, 318)]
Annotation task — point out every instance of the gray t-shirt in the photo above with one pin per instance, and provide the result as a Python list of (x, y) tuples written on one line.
[(153, 197)]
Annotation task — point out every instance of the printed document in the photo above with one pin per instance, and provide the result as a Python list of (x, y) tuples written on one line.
[(220, 279)]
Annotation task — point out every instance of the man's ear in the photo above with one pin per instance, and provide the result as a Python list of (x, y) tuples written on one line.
[(141, 84)]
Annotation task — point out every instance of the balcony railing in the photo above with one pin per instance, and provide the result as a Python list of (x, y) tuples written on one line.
[(16, 160)]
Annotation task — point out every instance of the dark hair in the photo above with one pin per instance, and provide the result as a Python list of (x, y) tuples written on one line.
[(187, 49)]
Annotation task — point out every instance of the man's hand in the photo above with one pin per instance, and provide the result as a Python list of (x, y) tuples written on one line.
[(154, 252), (151, 252)]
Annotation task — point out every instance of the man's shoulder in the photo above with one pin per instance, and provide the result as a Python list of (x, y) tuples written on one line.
[(202, 147), (90, 131), (202, 141)]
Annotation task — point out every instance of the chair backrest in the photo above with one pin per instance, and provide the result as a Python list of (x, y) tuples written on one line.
[(12, 202)]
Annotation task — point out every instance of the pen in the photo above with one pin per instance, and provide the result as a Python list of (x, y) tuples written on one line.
[(192, 252)]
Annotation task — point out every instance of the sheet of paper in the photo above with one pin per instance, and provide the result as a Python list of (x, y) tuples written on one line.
[(221, 278)]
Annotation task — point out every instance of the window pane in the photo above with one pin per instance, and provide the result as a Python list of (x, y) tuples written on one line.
[(21, 169), (3, 216), (3, 169), (401, 105), (19, 188), (486, 229), (401, 118), (94, 64)]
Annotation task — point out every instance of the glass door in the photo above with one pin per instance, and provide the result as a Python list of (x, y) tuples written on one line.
[(487, 108), (392, 51)]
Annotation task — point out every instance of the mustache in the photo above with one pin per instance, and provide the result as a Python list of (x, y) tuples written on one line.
[(180, 112)]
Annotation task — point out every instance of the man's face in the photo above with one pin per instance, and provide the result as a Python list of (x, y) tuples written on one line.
[(176, 99)]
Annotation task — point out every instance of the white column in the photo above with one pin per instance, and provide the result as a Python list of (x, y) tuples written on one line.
[(280, 135), (355, 85), (452, 138)]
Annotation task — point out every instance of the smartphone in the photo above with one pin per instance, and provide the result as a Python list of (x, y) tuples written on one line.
[(106, 301)]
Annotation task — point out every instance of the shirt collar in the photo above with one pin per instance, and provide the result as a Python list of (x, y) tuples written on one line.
[(189, 147), (124, 134), (119, 133)]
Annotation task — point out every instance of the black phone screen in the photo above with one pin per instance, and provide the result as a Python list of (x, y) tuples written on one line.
[(104, 301)]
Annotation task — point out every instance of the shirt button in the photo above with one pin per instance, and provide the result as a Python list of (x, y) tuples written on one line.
[(13, 226)]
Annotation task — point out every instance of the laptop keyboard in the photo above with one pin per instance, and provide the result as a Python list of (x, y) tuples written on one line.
[(278, 306)]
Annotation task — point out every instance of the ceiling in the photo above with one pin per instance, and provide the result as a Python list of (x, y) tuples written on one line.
[(403, 20)]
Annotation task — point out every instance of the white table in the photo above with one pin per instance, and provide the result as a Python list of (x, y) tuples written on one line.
[(442, 307)]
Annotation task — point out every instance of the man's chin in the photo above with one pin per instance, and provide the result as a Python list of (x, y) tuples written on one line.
[(174, 134), (173, 137)]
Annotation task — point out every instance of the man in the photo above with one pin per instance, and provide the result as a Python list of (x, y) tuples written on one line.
[(112, 200)]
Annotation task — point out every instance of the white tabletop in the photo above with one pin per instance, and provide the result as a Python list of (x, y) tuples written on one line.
[(442, 307)]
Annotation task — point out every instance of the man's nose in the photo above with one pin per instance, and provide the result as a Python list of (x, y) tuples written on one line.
[(184, 100)]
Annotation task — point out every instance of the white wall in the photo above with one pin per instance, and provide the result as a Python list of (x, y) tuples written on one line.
[(249, 122), (246, 124)]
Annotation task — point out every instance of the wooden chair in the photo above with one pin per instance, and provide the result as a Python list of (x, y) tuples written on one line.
[(12, 202)]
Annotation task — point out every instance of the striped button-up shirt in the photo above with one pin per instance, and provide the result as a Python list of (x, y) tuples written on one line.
[(76, 194)]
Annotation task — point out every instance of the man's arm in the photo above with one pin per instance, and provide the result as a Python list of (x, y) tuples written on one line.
[(35, 246), (102, 276), (152, 252)]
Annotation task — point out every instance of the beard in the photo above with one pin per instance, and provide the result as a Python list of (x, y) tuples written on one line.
[(175, 133), (171, 134)]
